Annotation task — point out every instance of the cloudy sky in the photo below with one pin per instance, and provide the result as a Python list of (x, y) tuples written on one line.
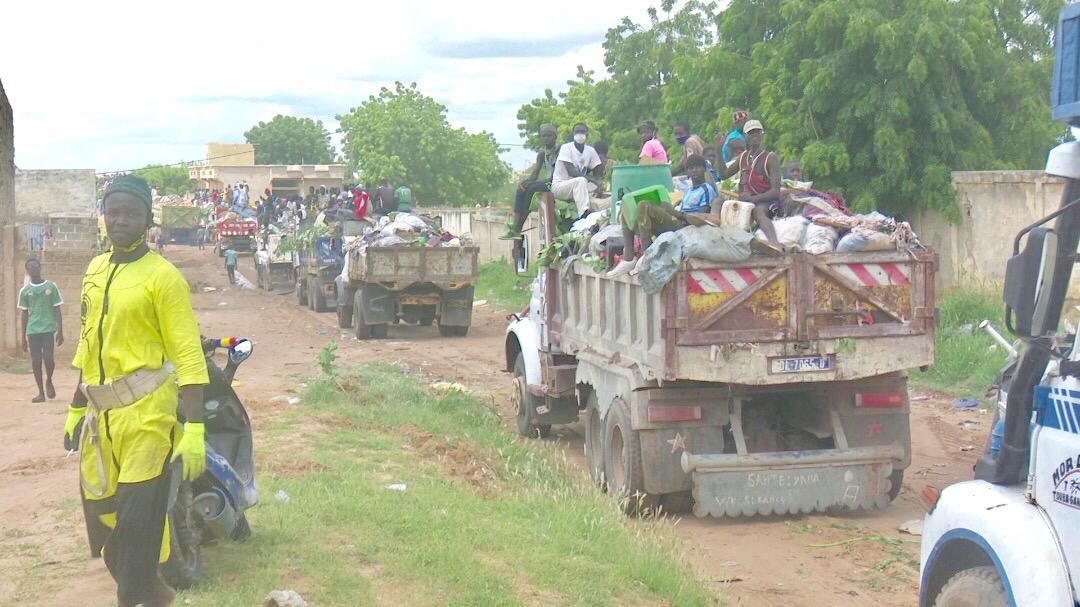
[(114, 85)]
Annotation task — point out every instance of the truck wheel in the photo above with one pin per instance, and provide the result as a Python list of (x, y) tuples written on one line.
[(897, 480), (975, 587), (318, 296), (622, 461), (594, 440), (363, 330), (344, 317), (524, 403), (301, 294)]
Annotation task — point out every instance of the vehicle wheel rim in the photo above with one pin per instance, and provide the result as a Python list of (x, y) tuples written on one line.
[(617, 461)]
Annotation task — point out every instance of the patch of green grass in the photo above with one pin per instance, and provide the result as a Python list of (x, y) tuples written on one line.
[(486, 518), (502, 287), (967, 359)]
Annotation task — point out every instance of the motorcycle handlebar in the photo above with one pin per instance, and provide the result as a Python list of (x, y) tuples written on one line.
[(209, 343)]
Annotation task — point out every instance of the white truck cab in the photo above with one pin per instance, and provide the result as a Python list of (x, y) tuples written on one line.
[(1011, 537)]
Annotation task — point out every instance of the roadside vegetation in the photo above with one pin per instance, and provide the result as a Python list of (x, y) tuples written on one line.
[(502, 287), (968, 360), (403, 496)]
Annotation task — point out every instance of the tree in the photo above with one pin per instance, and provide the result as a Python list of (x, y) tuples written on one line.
[(403, 136), (880, 99), (577, 104), (167, 179), (291, 140)]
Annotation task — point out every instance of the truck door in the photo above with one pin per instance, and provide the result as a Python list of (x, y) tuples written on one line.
[(1056, 461)]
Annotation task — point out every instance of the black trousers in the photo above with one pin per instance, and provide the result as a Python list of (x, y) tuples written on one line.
[(41, 347), (524, 197)]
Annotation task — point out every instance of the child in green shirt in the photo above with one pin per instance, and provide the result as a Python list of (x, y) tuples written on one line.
[(40, 302)]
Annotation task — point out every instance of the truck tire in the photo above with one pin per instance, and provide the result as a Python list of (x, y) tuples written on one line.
[(525, 403), (301, 293), (622, 461), (319, 297), (975, 587), (897, 480), (594, 440), (344, 317), (363, 330)]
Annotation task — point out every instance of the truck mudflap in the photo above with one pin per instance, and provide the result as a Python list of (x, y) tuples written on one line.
[(791, 482)]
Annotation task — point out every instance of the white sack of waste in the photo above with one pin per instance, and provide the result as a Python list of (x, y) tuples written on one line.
[(819, 239), (715, 244)]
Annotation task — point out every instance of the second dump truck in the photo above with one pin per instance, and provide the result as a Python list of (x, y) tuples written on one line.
[(772, 385), (424, 285)]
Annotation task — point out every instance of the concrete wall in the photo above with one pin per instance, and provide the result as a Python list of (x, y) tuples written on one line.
[(7, 160), (260, 177), (230, 154), (41, 194), (485, 226), (64, 267), (994, 206)]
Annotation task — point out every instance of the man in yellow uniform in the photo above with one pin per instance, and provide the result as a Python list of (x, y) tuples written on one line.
[(139, 350)]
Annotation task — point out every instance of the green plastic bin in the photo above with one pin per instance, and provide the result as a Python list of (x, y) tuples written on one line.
[(654, 194), (627, 178)]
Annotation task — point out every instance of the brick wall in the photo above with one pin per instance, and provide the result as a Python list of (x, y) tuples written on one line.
[(72, 234)]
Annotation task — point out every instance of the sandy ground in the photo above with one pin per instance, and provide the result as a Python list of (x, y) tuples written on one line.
[(768, 562)]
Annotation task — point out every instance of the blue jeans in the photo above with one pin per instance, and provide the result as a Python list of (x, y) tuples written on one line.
[(523, 198)]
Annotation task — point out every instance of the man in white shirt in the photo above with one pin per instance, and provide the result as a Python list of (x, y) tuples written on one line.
[(573, 178)]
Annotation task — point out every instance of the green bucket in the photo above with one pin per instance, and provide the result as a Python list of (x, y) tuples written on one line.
[(627, 178), (653, 194)]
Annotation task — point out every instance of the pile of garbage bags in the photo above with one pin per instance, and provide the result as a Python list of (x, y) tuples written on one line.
[(403, 230)]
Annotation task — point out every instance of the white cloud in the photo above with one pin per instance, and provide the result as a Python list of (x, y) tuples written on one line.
[(118, 84)]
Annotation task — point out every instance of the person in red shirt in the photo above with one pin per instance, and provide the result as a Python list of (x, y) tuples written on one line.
[(361, 202)]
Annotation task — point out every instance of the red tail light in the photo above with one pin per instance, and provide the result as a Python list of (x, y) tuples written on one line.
[(879, 400), (678, 413)]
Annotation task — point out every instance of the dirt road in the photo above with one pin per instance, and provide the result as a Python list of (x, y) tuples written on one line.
[(802, 561)]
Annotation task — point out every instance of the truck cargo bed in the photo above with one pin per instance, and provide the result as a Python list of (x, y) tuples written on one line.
[(408, 265), (761, 321)]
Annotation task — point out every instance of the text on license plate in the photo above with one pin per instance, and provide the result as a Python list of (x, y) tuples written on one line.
[(800, 364)]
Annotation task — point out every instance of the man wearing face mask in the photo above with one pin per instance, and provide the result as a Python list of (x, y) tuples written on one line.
[(574, 177), (692, 145)]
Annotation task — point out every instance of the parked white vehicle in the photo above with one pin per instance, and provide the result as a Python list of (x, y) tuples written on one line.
[(1012, 536)]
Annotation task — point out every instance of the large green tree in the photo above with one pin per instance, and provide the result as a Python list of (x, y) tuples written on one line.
[(880, 99), (168, 179), (403, 136), (291, 140)]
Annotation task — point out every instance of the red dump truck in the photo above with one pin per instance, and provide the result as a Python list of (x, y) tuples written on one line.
[(772, 385)]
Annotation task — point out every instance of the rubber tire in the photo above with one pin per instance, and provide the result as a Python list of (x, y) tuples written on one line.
[(379, 331), (242, 531), (181, 571), (622, 461), (594, 441), (525, 404), (319, 298), (897, 480), (363, 331), (301, 294), (344, 317), (975, 587)]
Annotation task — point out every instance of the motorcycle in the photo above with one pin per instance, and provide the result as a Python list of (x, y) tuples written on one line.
[(212, 507)]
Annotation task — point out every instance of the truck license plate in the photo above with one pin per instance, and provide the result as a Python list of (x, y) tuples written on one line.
[(800, 364)]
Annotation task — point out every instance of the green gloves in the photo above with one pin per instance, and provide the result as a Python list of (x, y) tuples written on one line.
[(73, 427), (192, 447)]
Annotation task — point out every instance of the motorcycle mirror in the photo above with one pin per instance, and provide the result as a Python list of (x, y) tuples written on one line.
[(240, 352)]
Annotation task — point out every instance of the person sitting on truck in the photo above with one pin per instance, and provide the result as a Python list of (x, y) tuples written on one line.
[(404, 198), (652, 151), (574, 177), (385, 202), (759, 178), (691, 145), (739, 117), (653, 219), (538, 180)]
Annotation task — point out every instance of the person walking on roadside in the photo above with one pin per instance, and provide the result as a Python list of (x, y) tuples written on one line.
[(200, 237), (42, 325), (139, 354), (230, 265)]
